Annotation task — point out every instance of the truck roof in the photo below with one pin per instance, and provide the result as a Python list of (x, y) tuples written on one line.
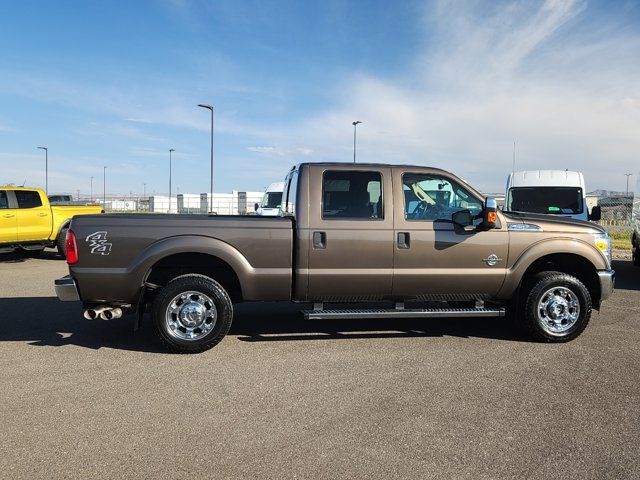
[(275, 187), (550, 178), (7, 187), (348, 165)]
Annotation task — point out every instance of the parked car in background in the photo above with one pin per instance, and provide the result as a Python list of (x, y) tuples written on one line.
[(270, 205), (347, 233), (29, 222), (635, 220), (53, 199), (556, 192), (65, 200)]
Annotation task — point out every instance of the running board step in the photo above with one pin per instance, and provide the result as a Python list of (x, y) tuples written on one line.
[(401, 313)]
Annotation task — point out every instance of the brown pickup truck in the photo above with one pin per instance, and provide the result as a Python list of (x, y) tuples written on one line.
[(348, 233)]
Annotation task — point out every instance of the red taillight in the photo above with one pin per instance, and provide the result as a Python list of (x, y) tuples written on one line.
[(72, 248)]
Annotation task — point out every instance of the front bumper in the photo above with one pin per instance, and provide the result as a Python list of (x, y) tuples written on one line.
[(607, 283), (66, 289)]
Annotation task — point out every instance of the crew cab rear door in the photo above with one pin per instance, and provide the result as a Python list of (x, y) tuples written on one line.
[(436, 259), (351, 233), (34, 216)]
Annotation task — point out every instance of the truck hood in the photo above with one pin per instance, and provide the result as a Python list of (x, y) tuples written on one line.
[(554, 223)]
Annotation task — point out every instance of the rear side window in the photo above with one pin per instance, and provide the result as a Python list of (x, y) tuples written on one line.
[(348, 194), (4, 200), (28, 199)]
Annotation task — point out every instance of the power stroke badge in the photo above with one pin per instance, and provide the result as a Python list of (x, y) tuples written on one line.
[(98, 243)]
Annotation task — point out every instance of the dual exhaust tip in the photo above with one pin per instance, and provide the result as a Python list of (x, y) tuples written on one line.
[(105, 313)]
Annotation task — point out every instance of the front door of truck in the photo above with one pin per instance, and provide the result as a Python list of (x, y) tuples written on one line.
[(8, 219), (34, 216), (351, 233), (436, 259)]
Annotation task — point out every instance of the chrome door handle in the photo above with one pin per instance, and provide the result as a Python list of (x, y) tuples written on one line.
[(8, 215)]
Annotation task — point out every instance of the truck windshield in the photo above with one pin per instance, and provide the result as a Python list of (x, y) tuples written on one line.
[(556, 200), (272, 200)]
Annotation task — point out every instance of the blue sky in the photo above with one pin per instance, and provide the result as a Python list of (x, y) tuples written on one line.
[(444, 83)]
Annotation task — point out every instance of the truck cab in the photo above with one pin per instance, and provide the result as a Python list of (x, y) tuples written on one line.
[(555, 192), (270, 204)]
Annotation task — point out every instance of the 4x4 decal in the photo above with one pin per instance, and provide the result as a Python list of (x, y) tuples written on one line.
[(98, 243)]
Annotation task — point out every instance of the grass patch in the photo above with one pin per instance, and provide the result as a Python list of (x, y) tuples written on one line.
[(620, 239)]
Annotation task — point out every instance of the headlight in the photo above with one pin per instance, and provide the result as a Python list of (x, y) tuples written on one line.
[(603, 243)]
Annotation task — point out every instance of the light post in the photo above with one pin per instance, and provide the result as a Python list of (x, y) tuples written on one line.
[(628, 175), (355, 125), (46, 168), (171, 150), (104, 187), (144, 190), (91, 191), (210, 108)]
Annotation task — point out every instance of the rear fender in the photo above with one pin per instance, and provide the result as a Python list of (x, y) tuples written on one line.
[(255, 283)]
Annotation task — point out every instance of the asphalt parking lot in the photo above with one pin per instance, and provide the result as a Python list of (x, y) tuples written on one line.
[(281, 397)]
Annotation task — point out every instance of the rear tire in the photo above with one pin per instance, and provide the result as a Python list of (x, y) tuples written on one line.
[(192, 313), (61, 242), (557, 307)]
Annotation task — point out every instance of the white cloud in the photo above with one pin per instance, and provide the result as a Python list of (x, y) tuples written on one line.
[(525, 72)]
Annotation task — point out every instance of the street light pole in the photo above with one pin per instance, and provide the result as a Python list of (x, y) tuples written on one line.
[(171, 150), (210, 108), (628, 175), (355, 125), (46, 169), (91, 191), (104, 187)]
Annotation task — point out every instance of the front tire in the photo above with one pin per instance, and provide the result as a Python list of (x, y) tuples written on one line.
[(557, 308), (192, 313)]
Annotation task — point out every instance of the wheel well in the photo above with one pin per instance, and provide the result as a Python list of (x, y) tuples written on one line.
[(62, 227), (185, 263), (572, 264)]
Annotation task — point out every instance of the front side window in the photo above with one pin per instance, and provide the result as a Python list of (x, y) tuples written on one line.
[(352, 194), (435, 197), (28, 199), (556, 200), (4, 200)]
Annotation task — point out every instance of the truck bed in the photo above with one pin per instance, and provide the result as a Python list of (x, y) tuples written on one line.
[(121, 250)]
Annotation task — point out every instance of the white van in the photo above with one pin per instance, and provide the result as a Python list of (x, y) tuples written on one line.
[(270, 205), (556, 192)]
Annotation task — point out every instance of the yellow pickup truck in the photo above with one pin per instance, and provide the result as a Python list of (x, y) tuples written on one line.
[(29, 222)]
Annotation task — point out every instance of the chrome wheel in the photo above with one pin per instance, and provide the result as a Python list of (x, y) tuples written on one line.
[(191, 315), (558, 310)]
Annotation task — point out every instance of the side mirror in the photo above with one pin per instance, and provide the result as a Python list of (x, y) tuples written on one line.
[(489, 215), (463, 218), (256, 206), (596, 213)]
